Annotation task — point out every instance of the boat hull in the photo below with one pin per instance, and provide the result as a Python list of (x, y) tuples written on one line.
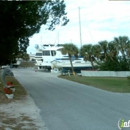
[(76, 66)]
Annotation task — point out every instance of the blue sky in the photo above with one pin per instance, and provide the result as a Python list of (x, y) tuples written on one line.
[(100, 20)]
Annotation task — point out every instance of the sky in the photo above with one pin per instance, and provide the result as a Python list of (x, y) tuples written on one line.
[(100, 20)]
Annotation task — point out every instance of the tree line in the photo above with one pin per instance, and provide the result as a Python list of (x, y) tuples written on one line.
[(112, 56)]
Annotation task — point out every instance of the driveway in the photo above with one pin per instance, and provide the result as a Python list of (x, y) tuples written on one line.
[(66, 105)]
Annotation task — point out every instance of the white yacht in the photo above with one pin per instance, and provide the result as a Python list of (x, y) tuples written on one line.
[(51, 58), (45, 56)]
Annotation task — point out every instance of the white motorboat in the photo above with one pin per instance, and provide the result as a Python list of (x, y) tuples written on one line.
[(78, 65), (66, 63), (45, 56), (51, 58)]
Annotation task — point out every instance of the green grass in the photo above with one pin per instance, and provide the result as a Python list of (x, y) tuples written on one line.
[(112, 84)]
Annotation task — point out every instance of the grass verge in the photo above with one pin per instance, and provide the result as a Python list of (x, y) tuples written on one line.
[(18, 94), (111, 84)]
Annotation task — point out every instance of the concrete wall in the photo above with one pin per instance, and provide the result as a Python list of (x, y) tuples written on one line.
[(105, 73)]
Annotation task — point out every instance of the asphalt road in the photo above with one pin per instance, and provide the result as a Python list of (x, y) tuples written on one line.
[(67, 105)]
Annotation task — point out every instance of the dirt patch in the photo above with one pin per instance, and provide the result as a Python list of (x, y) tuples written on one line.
[(21, 115)]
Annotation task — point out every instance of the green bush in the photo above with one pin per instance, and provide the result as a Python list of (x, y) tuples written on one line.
[(128, 78)]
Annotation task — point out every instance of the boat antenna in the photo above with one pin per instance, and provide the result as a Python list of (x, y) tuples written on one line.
[(41, 40), (80, 27), (57, 38)]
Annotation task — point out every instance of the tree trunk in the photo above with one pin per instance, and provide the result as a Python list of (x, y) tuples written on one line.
[(71, 66), (92, 64), (123, 53)]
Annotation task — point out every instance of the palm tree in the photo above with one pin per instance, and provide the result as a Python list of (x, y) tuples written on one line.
[(128, 51), (97, 52), (122, 43), (87, 51), (71, 50), (104, 49), (123, 46), (112, 51)]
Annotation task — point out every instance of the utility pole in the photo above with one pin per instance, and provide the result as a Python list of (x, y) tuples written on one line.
[(80, 28)]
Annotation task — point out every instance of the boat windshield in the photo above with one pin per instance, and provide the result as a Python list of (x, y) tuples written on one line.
[(46, 53), (38, 54)]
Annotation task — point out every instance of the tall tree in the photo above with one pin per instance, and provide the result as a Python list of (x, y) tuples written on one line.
[(112, 51), (25, 57), (20, 20), (97, 52), (116, 54), (122, 43), (71, 50), (123, 46), (104, 49), (87, 52), (128, 51)]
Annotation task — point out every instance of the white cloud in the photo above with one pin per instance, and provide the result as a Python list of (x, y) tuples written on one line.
[(100, 20)]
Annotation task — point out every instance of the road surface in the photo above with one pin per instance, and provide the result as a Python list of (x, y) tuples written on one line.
[(66, 105)]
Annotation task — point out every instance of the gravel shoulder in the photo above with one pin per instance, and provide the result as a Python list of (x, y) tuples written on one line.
[(21, 115)]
